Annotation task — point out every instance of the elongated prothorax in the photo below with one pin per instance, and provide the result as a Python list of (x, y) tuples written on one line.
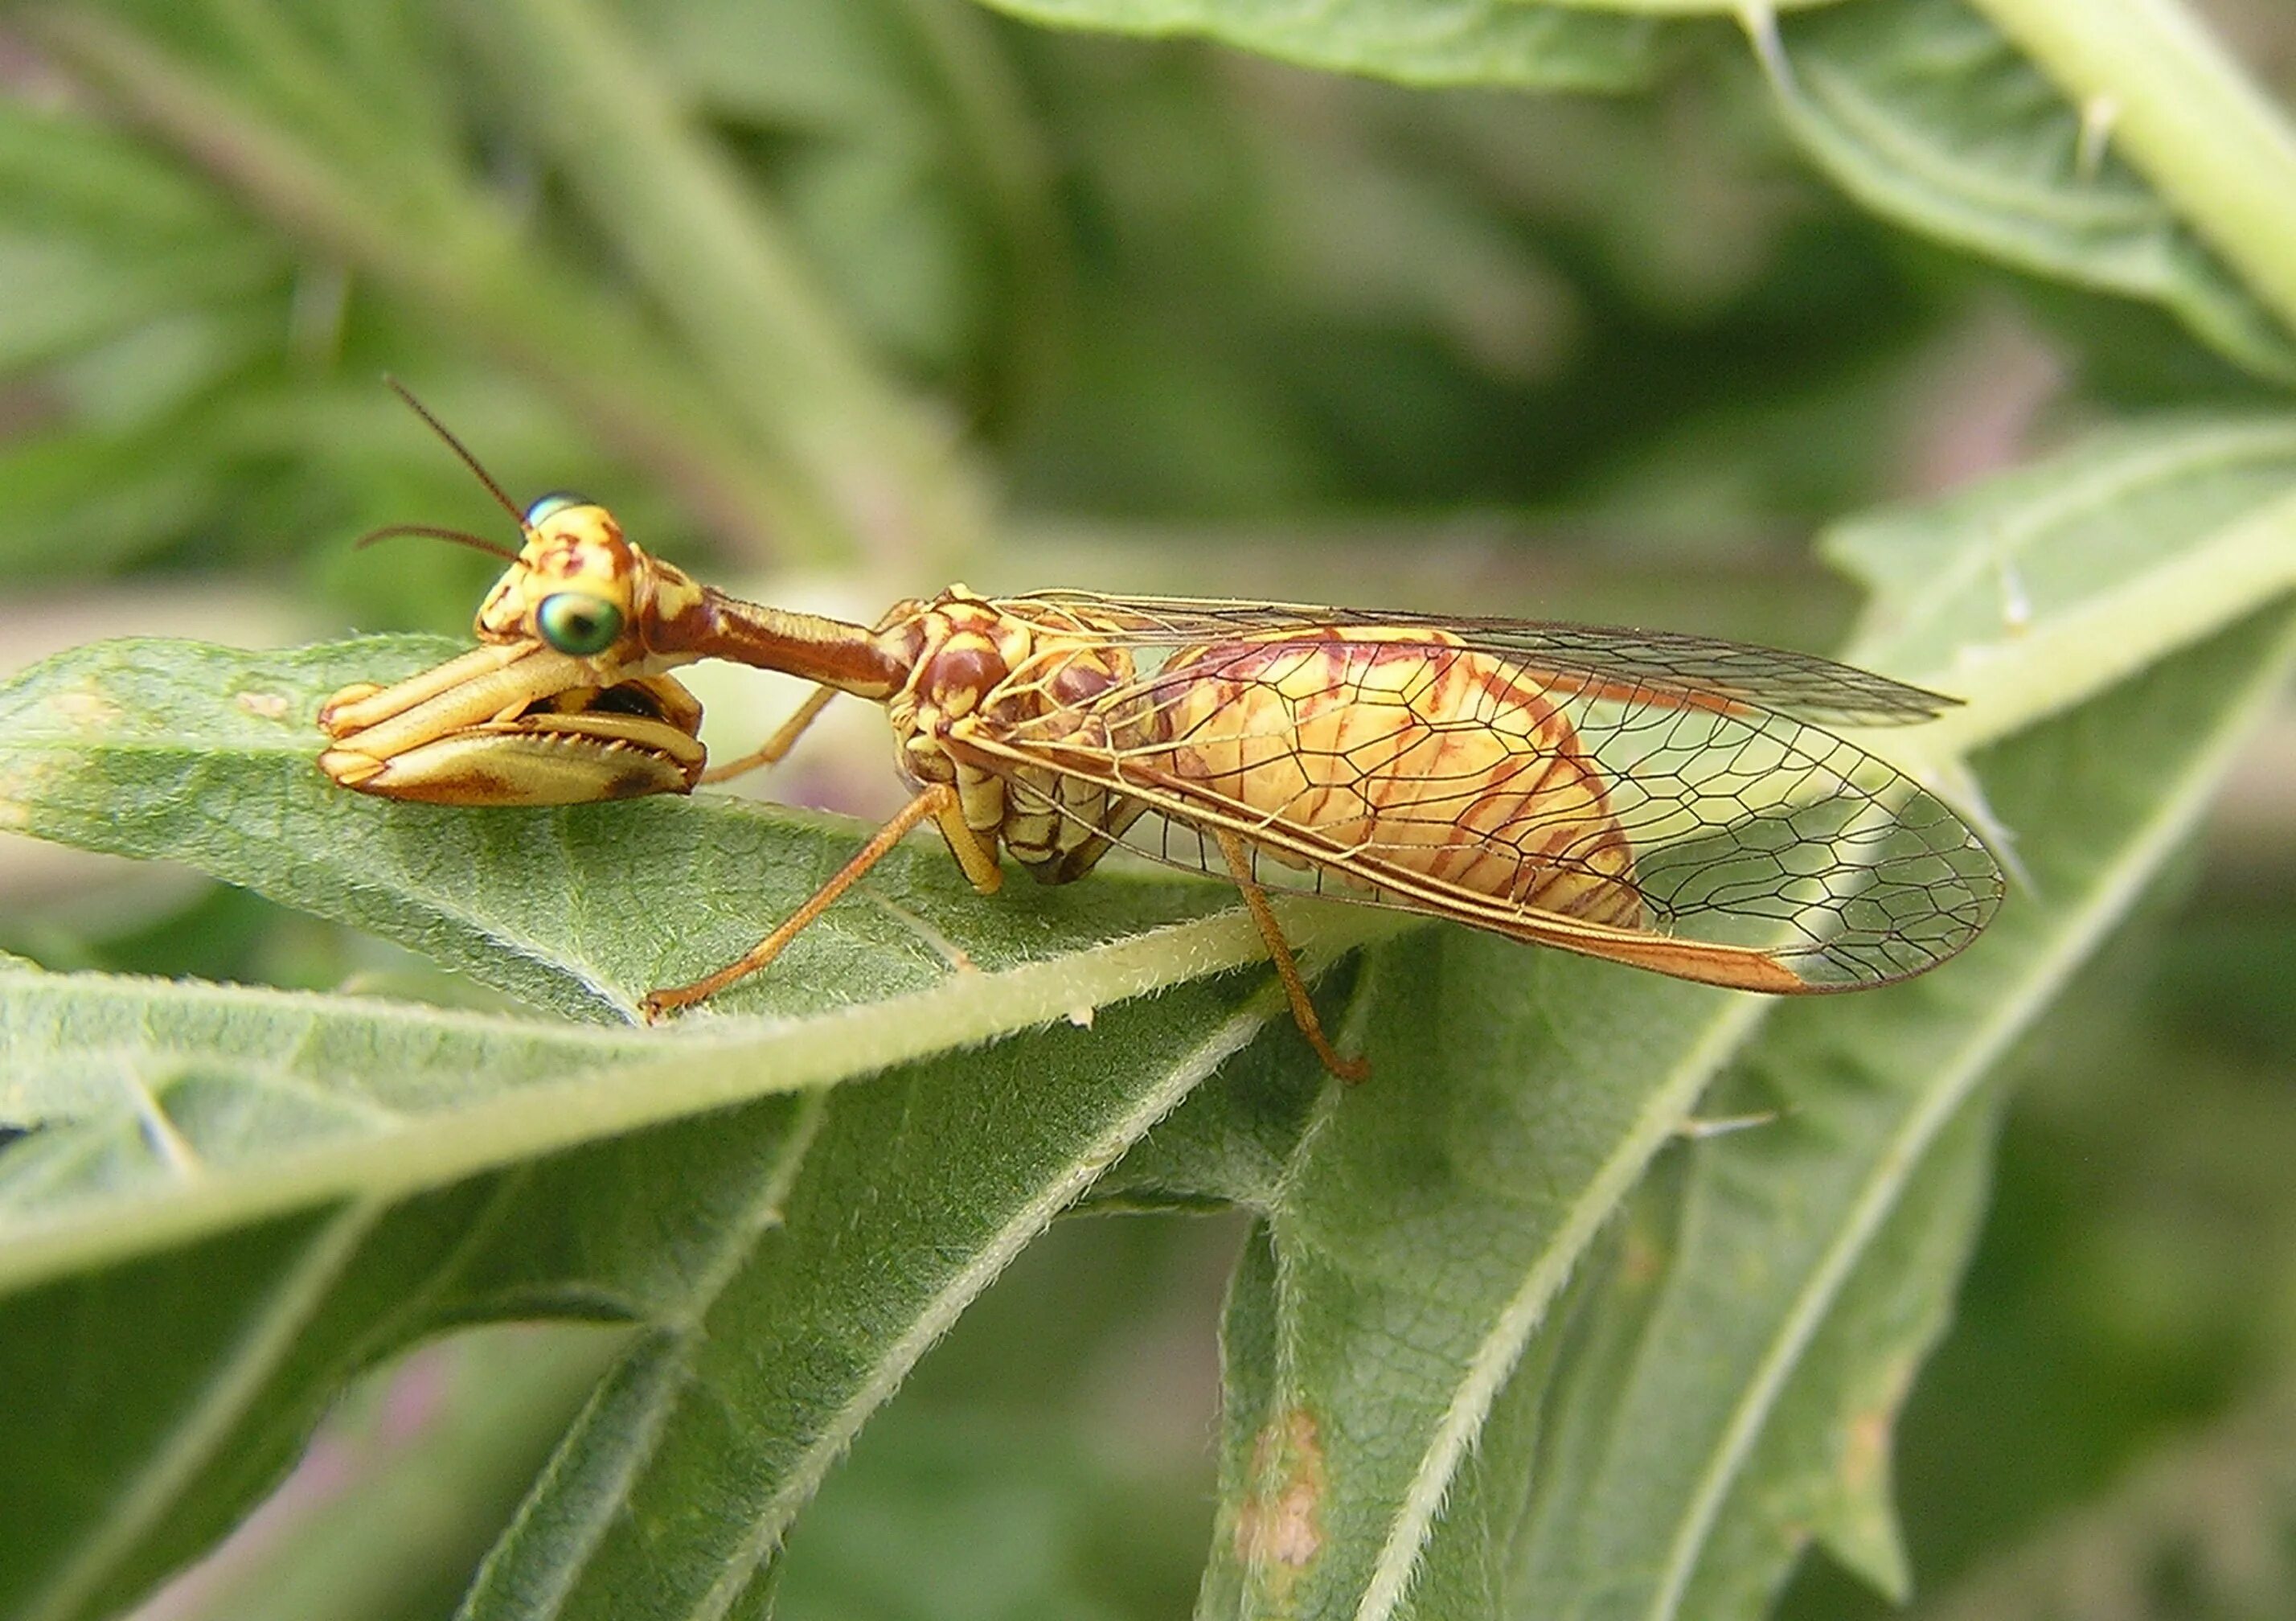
[(851, 658)]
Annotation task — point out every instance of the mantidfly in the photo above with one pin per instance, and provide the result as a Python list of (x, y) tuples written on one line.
[(1668, 801)]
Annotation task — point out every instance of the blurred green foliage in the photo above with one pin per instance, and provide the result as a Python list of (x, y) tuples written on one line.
[(1147, 283), (890, 290)]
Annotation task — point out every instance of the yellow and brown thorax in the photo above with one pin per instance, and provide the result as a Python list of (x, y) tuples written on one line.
[(986, 679)]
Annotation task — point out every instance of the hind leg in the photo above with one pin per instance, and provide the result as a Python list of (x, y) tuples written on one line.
[(1303, 1011)]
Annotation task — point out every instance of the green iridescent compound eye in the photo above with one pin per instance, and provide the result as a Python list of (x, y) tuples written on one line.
[(577, 623), (547, 507)]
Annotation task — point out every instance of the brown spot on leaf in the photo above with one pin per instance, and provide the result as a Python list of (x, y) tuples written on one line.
[(20, 791), (1640, 1260), (269, 705), (1865, 1444), (87, 709), (1279, 1525), (1866, 1450)]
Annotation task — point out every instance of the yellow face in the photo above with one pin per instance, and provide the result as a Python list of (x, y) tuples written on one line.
[(577, 588)]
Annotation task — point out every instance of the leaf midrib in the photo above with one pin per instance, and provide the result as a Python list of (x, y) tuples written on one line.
[(1495, 1357), (663, 1079), (942, 1308)]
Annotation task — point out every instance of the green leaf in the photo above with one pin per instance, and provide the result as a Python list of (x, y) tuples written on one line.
[(181, 1108), (787, 1261), (168, 1112), (1421, 1229), (1812, 1260), (1822, 1468), (685, 1474), (920, 184), (1428, 42), (404, 1485), (2040, 588), (164, 1110), (1922, 112), (356, 156), (1418, 1233), (1419, 1237), (207, 755), (70, 188), (726, 271)]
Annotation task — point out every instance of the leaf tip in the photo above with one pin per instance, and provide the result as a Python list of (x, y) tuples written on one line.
[(1861, 1528)]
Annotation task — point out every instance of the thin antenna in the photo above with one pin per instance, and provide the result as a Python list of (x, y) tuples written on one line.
[(517, 514), (459, 537)]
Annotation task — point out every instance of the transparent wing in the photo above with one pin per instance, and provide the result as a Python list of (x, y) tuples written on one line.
[(1696, 670), (1575, 795)]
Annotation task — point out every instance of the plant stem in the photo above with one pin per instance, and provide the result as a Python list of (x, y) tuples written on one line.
[(728, 273), (449, 255), (2183, 111), (996, 155)]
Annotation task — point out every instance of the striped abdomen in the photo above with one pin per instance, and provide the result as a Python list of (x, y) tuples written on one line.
[(1415, 754)]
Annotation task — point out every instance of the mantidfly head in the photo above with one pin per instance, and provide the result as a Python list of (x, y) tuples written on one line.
[(564, 703), (579, 588)]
